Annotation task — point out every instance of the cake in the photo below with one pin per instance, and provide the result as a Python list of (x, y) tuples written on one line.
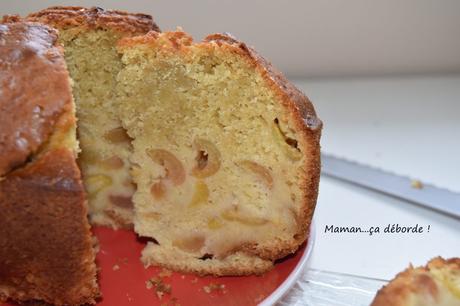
[(225, 153), (46, 248), (205, 148), (436, 284), (89, 36)]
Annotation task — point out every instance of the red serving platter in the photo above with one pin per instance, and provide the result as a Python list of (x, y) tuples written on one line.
[(123, 278)]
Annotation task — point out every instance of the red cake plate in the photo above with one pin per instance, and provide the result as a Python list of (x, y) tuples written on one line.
[(124, 280)]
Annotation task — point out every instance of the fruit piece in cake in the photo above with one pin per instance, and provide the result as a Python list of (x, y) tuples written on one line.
[(226, 153), (89, 36), (46, 248), (172, 167), (262, 173), (207, 159), (436, 284)]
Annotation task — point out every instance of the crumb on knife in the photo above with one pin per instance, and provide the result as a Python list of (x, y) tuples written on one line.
[(416, 184)]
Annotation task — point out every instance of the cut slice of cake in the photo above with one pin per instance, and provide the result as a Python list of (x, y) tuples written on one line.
[(46, 248), (436, 284), (89, 36), (226, 154)]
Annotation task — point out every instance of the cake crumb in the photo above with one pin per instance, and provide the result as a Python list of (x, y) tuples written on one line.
[(214, 287), (194, 281), (416, 184), (182, 276), (148, 284), (160, 287), (116, 267)]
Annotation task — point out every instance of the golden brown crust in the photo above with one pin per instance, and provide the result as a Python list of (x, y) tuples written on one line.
[(242, 269), (235, 264), (45, 246), (301, 112), (420, 283), (29, 113), (73, 22), (95, 17)]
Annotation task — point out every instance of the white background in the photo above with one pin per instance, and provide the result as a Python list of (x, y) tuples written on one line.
[(409, 125)]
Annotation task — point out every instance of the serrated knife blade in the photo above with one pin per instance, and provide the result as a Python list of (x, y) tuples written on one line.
[(428, 196)]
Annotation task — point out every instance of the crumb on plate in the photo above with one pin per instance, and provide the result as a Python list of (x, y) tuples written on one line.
[(161, 288), (213, 287)]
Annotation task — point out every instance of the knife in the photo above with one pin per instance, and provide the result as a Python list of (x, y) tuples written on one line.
[(413, 191)]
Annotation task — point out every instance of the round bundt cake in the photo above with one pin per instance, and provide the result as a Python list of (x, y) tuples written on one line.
[(202, 147)]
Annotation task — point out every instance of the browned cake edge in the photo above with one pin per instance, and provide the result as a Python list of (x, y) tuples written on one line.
[(95, 17), (306, 123), (413, 281), (46, 248), (79, 20), (27, 119)]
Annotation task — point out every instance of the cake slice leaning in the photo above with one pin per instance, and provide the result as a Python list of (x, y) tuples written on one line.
[(89, 36), (46, 248), (225, 156)]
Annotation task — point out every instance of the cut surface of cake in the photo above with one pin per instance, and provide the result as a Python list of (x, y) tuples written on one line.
[(436, 284), (225, 154), (46, 248), (220, 151), (89, 36)]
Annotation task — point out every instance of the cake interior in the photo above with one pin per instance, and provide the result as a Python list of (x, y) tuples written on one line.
[(104, 144), (215, 159)]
